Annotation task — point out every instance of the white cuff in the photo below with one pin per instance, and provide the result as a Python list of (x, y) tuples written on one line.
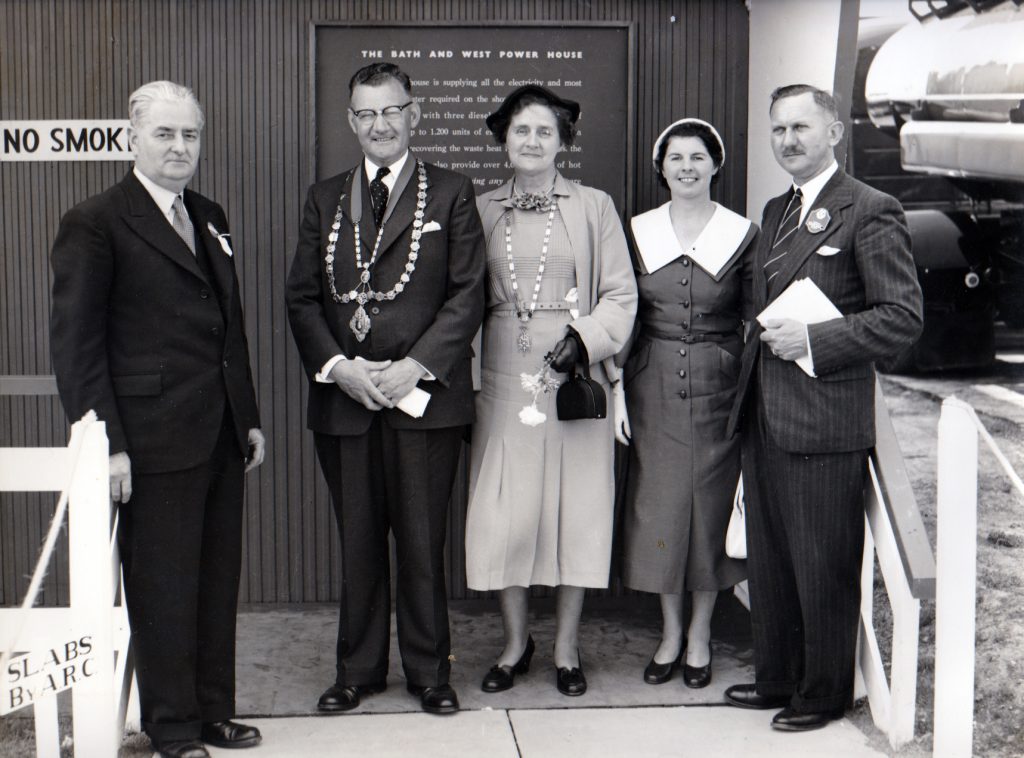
[(427, 376), (324, 377)]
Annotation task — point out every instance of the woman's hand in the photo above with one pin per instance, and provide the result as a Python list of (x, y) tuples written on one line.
[(565, 354), (622, 431)]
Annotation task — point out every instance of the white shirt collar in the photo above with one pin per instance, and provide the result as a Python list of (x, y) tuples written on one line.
[(392, 177), (715, 246), (813, 187), (163, 197)]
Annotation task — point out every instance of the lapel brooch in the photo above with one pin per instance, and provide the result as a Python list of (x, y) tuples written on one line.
[(221, 238), (817, 220)]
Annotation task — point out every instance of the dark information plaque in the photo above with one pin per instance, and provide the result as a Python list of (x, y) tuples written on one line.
[(460, 73)]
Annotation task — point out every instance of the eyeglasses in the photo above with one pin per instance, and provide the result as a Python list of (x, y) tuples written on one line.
[(392, 113)]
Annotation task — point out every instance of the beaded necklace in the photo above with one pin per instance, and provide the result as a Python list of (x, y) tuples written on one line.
[(363, 293), (523, 312)]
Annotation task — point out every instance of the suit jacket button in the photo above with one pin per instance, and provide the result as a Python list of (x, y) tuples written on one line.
[(225, 364), (215, 330), (682, 374), (375, 310), (204, 294), (682, 352), (682, 394), (686, 304), (686, 325), (685, 281)]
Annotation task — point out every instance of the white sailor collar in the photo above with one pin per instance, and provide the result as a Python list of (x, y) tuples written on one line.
[(715, 247)]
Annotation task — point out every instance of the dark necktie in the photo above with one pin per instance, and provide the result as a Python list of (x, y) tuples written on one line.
[(379, 195), (784, 236)]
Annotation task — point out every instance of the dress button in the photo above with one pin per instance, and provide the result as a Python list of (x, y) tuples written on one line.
[(204, 294), (686, 303), (682, 352), (682, 374), (375, 310), (686, 325), (682, 394), (686, 261), (685, 282)]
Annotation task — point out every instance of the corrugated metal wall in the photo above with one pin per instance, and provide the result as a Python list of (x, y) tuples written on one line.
[(248, 61)]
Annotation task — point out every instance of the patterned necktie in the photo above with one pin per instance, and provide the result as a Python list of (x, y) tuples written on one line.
[(379, 195), (182, 225), (787, 227)]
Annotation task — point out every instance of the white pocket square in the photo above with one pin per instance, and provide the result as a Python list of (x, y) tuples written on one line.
[(221, 238), (826, 250), (431, 226)]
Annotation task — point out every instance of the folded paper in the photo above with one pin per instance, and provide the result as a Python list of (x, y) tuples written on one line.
[(801, 301)]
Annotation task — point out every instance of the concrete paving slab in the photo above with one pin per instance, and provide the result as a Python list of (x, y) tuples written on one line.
[(679, 732), (674, 731), (464, 735), (286, 658)]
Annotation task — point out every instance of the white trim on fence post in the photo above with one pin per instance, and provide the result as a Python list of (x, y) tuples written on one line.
[(96, 732), (867, 601), (47, 723), (956, 550)]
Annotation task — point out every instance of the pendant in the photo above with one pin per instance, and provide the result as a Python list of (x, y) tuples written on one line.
[(359, 324), (523, 340)]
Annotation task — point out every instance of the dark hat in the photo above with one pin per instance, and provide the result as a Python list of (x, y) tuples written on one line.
[(498, 120)]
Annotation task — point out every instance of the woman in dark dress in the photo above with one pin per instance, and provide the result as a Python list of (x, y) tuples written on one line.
[(679, 381)]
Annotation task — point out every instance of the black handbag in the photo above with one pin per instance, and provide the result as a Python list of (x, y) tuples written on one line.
[(581, 397)]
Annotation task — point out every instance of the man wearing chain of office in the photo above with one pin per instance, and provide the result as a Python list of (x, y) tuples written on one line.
[(385, 294)]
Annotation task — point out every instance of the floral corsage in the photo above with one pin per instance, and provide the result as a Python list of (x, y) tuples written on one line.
[(536, 384)]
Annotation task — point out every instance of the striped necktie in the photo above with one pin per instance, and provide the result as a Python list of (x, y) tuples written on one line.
[(182, 225), (787, 228)]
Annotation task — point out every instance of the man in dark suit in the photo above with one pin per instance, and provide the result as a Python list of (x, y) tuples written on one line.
[(806, 438), (147, 331), (385, 293)]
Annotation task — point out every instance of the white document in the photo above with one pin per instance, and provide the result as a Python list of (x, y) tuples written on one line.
[(415, 403), (801, 301)]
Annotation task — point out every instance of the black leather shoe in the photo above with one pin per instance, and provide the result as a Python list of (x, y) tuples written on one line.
[(788, 720), (696, 677), (230, 734), (440, 700), (339, 697), (571, 682), (181, 749), (659, 673), (501, 678), (745, 696)]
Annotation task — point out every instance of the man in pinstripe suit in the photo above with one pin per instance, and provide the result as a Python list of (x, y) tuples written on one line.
[(806, 438)]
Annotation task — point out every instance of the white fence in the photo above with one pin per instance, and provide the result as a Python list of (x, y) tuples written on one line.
[(896, 535), (83, 647), (957, 548)]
